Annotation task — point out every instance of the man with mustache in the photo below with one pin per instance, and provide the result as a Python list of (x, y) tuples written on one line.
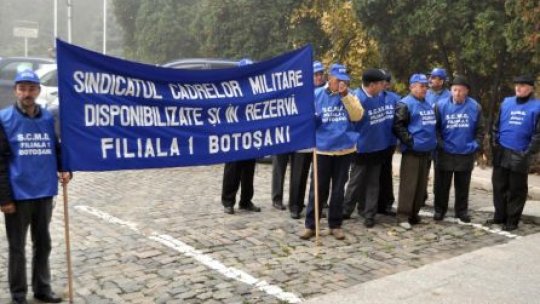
[(29, 173)]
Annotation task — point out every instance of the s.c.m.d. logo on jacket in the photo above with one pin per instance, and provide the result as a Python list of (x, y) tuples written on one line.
[(517, 123), (33, 166), (458, 125), (335, 131), (421, 125)]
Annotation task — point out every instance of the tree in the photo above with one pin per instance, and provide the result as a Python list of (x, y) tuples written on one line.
[(523, 30), (337, 35), (471, 38), (125, 12), (158, 31), (244, 28)]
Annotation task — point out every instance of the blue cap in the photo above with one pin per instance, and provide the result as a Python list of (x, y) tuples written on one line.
[(438, 72), (27, 76), (318, 67), (339, 71), (245, 61), (418, 78)]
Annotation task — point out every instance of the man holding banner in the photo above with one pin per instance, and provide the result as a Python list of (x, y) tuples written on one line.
[(301, 160), (239, 174), (122, 115), (28, 181), (335, 109)]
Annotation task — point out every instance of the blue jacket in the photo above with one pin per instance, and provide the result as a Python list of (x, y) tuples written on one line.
[(432, 98), (414, 125), (33, 163), (372, 133), (335, 130), (517, 123), (390, 101), (458, 125)]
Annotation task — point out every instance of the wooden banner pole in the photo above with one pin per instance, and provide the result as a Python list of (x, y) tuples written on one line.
[(316, 193), (68, 246)]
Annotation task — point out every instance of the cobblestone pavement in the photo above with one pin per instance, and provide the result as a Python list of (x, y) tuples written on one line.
[(160, 236)]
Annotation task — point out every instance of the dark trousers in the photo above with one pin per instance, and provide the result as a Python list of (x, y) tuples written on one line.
[(509, 194), (35, 214), (332, 170), (462, 182), (413, 174), (279, 167), (386, 185), (363, 189), (238, 174), (300, 164), (426, 195)]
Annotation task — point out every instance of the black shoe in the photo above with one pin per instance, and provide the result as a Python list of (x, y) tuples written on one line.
[(369, 223), (278, 205), (19, 301), (295, 215), (48, 298), (465, 218), (415, 220), (228, 210), (509, 227), (438, 216), (494, 222), (250, 207)]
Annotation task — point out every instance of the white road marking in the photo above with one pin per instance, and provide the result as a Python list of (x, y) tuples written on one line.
[(475, 225), (204, 259)]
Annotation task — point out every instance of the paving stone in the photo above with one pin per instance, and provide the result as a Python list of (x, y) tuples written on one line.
[(220, 295), (115, 264), (188, 295)]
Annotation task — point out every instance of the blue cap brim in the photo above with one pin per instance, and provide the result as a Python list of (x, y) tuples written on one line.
[(318, 71), (342, 77), (28, 80)]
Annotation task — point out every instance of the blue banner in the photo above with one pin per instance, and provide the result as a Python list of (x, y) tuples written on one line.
[(117, 114)]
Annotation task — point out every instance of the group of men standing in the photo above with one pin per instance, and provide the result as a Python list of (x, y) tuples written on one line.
[(357, 132)]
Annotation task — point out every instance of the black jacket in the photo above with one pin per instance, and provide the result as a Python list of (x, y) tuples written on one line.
[(402, 118), (6, 195)]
